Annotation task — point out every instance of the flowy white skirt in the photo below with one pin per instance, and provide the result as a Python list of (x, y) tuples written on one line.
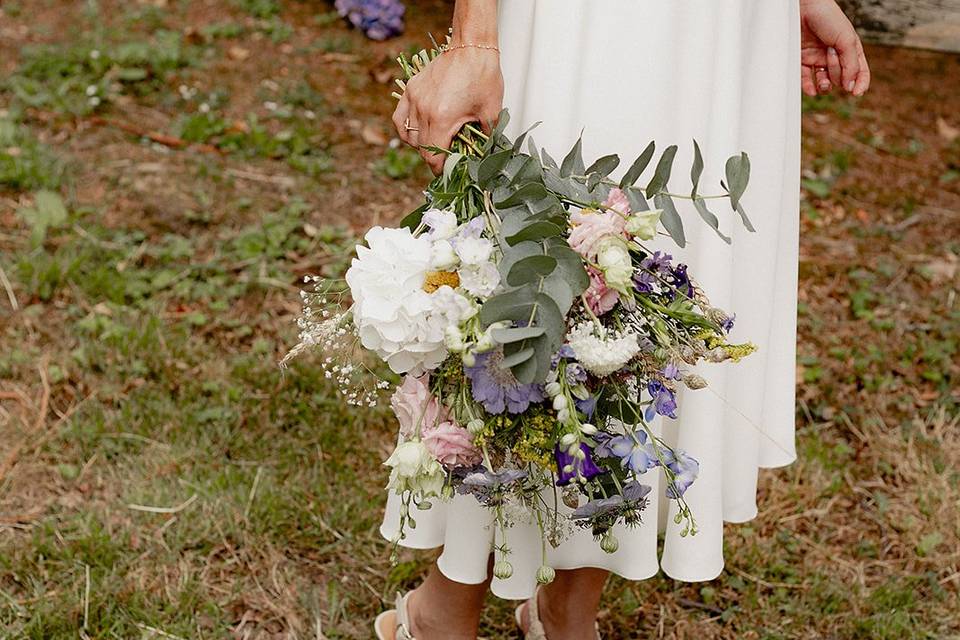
[(726, 73)]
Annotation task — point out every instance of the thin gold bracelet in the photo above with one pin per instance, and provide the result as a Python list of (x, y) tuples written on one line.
[(471, 45)]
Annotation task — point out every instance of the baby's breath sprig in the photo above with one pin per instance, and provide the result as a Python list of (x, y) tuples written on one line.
[(327, 327)]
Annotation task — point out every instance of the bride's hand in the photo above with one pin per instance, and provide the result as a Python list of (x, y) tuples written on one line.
[(462, 85), (831, 54)]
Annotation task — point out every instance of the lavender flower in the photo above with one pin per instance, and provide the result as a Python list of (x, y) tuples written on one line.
[(585, 468), (496, 388), (378, 19)]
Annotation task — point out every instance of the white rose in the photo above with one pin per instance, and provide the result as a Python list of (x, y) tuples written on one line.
[(479, 280), (474, 251), (443, 224), (442, 256), (643, 225), (407, 458), (614, 260)]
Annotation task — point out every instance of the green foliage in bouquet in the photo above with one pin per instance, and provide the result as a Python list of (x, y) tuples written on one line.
[(528, 194)]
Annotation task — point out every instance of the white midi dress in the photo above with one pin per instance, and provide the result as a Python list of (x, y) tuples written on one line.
[(726, 73)]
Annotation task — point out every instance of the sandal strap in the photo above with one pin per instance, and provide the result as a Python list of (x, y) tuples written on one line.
[(403, 618), (535, 630)]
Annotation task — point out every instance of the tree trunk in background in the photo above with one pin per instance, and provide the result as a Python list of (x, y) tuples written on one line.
[(928, 24)]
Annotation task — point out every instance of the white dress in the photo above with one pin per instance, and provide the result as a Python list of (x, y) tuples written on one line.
[(725, 72)]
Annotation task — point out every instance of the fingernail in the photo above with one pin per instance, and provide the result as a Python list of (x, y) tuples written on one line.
[(850, 86), (824, 86), (831, 51)]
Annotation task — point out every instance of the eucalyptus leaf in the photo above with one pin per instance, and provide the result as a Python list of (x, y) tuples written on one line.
[(605, 165), (696, 171), (531, 269), (491, 166), (514, 359), (573, 161), (535, 231), (529, 192), (569, 265), (412, 220), (738, 176), (744, 219), (670, 218), (638, 167), (512, 305), (637, 202), (547, 159), (662, 174), (518, 143), (515, 334), (701, 206)]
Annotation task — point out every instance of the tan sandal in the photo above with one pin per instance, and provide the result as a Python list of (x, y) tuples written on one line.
[(535, 630), (398, 619)]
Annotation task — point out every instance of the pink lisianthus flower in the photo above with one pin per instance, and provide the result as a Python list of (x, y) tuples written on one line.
[(414, 406), (451, 445), (617, 200), (600, 297), (590, 227)]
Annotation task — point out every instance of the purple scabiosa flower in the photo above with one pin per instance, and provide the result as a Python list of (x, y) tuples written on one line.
[(496, 388), (633, 450), (598, 508), (487, 486), (585, 468), (633, 491), (686, 470), (378, 19), (664, 402)]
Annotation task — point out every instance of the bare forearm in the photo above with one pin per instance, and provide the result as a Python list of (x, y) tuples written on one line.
[(475, 22)]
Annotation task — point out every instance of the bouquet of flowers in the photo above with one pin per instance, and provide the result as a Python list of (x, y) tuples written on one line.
[(537, 333)]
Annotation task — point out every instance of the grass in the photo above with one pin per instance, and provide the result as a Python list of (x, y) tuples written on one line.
[(161, 477)]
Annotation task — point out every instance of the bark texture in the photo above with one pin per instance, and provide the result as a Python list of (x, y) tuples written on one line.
[(928, 24)]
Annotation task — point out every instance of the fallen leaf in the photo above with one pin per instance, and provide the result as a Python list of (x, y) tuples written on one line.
[(863, 216), (238, 53), (941, 270), (947, 131), (373, 135)]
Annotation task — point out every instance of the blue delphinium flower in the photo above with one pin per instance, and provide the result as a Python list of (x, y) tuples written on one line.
[(681, 281), (686, 469), (633, 450), (378, 19), (496, 389), (664, 401), (585, 468), (659, 261), (644, 282)]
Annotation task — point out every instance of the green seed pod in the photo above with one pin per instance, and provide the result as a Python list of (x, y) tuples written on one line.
[(503, 570), (545, 575), (609, 542)]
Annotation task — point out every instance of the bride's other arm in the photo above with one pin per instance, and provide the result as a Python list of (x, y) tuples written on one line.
[(831, 54), (462, 85)]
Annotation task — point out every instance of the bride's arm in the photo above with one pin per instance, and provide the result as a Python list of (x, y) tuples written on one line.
[(831, 54), (462, 85)]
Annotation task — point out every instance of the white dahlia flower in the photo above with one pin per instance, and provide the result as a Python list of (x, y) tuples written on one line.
[(393, 315), (601, 351)]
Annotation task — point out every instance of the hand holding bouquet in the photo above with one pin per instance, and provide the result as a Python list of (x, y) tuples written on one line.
[(538, 334)]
